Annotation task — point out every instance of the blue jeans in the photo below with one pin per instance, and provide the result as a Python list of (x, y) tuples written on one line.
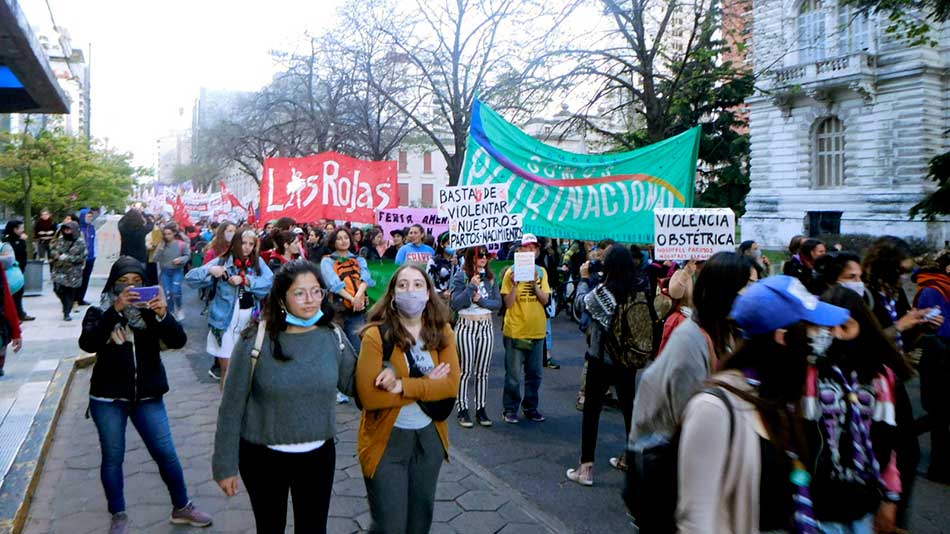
[(151, 422), (352, 323), (171, 280), (865, 525), (515, 359)]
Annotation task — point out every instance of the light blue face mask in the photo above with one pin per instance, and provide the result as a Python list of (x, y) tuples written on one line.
[(304, 323)]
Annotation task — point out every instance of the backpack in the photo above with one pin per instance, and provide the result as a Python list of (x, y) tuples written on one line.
[(632, 337), (650, 490), (348, 270), (438, 410)]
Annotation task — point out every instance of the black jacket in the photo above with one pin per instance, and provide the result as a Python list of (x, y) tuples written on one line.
[(133, 240), (120, 371)]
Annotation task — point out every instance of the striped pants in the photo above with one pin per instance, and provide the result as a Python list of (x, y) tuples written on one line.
[(475, 344)]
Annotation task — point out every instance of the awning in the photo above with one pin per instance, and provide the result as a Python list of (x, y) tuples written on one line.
[(27, 84)]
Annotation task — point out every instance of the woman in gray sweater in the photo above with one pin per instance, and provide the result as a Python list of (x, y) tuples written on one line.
[(277, 418)]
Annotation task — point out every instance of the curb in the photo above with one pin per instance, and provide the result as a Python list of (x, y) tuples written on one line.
[(16, 493), (543, 518)]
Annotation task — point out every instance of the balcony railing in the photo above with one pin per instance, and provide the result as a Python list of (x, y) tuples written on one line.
[(827, 73)]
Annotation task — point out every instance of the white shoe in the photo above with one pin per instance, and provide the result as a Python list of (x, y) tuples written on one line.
[(180, 315), (341, 398)]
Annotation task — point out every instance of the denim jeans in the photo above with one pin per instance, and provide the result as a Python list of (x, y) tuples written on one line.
[(865, 525), (352, 323), (171, 280), (530, 360), (151, 422)]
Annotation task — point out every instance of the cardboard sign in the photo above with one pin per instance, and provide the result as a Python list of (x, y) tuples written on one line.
[(327, 186), (478, 215), (524, 267), (693, 233), (400, 218)]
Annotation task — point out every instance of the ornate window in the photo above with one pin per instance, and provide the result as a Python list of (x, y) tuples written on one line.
[(853, 31), (811, 31), (828, 161)]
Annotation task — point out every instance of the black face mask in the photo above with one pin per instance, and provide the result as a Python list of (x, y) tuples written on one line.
[(783, 378), (69, 236)]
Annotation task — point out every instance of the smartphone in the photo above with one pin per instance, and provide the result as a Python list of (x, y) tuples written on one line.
[(933, 314), (146, 294)]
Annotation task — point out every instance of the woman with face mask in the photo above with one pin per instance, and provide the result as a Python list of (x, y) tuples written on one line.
[(238, 281), (67, 258), (221, 242), (277, 419), (744, 464), (128, 382), (750, 249), (402, 442)]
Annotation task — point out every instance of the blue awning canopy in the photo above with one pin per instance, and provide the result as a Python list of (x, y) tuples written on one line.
[(27, 83)]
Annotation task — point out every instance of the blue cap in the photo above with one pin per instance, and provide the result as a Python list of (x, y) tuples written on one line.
[(778, 302)]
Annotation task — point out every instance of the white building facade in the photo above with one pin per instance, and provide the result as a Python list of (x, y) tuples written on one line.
[(843, 125)]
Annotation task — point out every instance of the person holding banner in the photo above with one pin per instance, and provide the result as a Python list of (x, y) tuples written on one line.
[(415, 251), (238, 281), (525, 328), (403, 437), (475, 297), (347, 277)]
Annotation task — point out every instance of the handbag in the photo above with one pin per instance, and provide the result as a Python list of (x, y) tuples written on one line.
[(437, 410)]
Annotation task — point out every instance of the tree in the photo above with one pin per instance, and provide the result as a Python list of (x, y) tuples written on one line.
[(61, 172), (937, 202), (453, 50), (655, 78)]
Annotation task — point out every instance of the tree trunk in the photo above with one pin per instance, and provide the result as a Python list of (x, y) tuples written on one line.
[(28, 213)]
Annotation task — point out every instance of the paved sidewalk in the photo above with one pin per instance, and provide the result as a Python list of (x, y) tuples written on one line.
[(70, 500)]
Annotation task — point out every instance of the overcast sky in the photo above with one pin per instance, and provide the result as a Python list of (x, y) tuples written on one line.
[(150, 57)]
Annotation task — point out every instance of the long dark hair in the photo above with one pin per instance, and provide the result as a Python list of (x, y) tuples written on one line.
[(275, 306), (9, 234), (434, 318), (831, 268), (621, 273), (718, 283), (332, 236), (781, 371), (882, 264), (871, 350), (470, 260), (282, 239), (219, 244)]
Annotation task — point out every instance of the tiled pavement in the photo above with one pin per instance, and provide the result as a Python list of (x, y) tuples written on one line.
[(70, 500)]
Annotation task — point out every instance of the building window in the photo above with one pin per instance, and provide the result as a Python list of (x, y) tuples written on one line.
[(403, 161), (403, 194), (829, 153), (427, 162), (854, 31), (811, 32), (426, 195), (823, 223)]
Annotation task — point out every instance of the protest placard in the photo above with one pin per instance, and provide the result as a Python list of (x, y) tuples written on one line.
[(693, 233), (524, 267), (399, 218), (478, 215)]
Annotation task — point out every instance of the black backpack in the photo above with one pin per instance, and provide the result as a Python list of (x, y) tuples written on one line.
[(436, 410), (650, 489)]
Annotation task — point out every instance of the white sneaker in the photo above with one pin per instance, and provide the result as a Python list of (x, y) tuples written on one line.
[(180, 315), (341, 398)]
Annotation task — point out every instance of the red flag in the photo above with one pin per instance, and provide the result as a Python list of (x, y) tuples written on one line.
[(180, 214), (229, 196), (251, 216)]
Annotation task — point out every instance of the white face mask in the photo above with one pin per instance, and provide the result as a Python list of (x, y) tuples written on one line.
[(854, 285), (757, 253), (228, 236)]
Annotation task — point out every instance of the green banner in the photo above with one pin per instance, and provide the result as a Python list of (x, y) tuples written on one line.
[(581, 196), (382, 272)]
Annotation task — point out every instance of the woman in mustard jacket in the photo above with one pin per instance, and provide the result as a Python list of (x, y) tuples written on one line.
[(407, 363)]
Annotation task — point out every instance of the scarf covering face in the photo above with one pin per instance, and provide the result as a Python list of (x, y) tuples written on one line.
[(122, 333), (601, 305)]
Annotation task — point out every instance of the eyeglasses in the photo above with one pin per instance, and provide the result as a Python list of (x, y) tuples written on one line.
[(481, 254), (300, 295)]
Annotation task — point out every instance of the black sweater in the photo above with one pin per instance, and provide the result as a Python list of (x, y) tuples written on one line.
[(122, 372)]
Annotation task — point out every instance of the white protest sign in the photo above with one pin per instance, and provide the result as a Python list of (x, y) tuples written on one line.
[(693, 233), (478, 215), (524, 267)]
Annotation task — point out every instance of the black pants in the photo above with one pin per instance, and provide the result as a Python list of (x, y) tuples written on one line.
[(151, 273), (600, 375), (269, 474), (908, 452), (18, 300), (67, 296), (86, 274)]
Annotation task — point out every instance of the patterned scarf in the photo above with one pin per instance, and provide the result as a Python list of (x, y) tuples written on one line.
[(122, 333), (601, 305)]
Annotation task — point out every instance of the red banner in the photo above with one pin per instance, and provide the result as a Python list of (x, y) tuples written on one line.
[(327, 186)]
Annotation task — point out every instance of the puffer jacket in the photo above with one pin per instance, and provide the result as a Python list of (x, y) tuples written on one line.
[(69, 258)]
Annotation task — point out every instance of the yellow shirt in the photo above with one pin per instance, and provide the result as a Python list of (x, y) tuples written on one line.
[(525, 319)]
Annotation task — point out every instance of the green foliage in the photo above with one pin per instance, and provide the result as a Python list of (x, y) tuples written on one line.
[(938, 202), (909, 20), (62, 172)]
